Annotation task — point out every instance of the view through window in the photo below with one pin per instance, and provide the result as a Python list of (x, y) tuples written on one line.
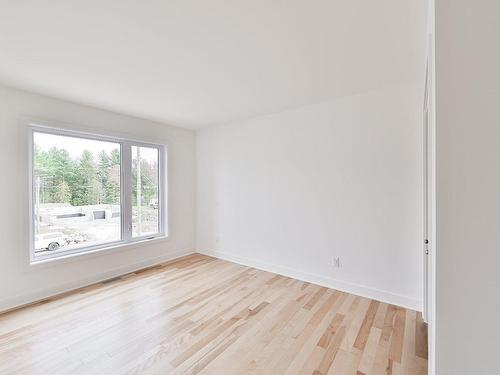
[(77, 192), (144, 191)]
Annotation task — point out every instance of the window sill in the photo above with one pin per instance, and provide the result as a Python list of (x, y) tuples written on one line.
[(67, 258)]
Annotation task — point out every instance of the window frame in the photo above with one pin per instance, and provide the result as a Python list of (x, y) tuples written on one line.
[(125, 145)]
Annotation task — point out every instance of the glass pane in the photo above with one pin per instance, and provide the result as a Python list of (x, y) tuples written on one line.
[(76, 185), (145, 208)]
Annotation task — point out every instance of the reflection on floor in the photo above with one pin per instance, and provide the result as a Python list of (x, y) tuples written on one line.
[(203, 315)]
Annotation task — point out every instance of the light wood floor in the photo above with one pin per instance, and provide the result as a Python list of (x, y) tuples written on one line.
[(203, 315)]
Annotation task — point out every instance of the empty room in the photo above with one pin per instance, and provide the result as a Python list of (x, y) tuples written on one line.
[(249, 187)]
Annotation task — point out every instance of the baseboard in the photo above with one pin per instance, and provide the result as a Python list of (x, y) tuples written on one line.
[(360, 290), (380, 295), (29, 298)]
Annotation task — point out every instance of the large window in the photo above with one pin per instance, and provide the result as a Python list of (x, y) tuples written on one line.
[(90, 192)]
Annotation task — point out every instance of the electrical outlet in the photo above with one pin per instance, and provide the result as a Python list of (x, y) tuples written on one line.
[(336, 262), (217, 240)]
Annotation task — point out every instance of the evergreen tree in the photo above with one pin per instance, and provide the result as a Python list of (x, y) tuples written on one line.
[(86, 181), (103, 166), (112, 186), (87, 192), (115, 157), (53, 167), (63, 193)]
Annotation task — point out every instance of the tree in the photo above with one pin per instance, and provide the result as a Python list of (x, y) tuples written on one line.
[(53, 167), (108, 171), (115, 157), (81, 181), (63, 193), (112, 185), (88, 190), (103, 166)]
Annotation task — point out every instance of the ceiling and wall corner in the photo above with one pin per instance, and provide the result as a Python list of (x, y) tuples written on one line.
[(196, 63)]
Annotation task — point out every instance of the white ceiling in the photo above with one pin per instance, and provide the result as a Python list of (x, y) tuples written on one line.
[(194, 63)]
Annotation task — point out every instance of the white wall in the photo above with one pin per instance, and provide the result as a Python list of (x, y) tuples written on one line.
[(290, 190), (21, 283), (468, 186)]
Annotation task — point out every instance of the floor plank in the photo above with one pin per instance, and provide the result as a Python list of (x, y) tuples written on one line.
[(201, 315)]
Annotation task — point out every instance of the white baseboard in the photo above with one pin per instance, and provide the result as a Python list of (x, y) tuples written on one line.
[(20, 300), (360, 290), (380, 295)]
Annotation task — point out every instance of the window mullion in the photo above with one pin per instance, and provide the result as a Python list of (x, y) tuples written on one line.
[(126, 203), (162, 191)]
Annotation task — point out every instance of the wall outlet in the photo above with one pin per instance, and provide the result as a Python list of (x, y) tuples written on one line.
[(336, 262)]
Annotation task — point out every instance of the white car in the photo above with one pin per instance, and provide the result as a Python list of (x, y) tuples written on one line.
[(50, 241)]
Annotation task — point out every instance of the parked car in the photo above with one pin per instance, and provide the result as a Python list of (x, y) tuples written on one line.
[(153, 203), (50, 241)]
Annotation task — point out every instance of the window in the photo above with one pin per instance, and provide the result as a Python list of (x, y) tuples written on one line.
[(90, 192), (145, 218)]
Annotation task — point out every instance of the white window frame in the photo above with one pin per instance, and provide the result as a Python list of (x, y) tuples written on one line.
[(125, 191)]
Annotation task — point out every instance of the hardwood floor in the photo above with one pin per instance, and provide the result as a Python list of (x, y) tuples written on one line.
[(203, 315)]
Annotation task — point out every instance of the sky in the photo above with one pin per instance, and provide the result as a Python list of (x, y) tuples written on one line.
[(75, 146)]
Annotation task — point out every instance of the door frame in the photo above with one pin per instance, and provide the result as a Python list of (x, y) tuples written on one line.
[(429, 202)]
